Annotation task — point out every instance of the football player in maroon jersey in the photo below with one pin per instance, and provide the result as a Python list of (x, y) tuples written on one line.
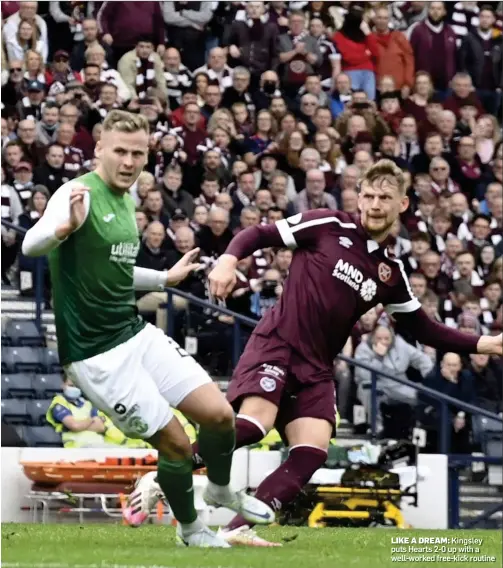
[(340, 270)]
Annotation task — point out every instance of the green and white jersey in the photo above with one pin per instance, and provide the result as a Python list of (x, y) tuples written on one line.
[(92, 272)]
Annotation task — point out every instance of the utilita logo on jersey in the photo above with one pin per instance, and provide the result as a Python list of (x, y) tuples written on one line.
[(354, 278), (124, 252)]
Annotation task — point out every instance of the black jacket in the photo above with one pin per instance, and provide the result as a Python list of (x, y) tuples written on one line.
[(471, 58), (51, 177)]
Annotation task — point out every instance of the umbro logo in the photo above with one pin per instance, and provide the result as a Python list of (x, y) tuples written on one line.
[(345, 242), (109, 217)]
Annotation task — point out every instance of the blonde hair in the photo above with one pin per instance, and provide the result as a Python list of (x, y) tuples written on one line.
[(41, 66), (146, 177), (123, 121), (386, 170), (94, 48)]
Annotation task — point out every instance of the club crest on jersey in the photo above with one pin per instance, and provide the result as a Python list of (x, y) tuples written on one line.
[(384, 272), (354, 278), (345, 242), (268, 384)]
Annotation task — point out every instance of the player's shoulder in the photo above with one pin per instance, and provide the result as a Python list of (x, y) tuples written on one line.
[(323, 217)]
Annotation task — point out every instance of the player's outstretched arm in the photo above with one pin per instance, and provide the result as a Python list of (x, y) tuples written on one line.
[(148, 279), (292, 232), (65, 213), (440, 336)]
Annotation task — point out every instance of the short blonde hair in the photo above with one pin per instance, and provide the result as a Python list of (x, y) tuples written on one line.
[(123, 121), (146, 177), (386, 170), (94, 48)]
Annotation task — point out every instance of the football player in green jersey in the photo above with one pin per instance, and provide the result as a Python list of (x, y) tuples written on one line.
[(130, 369)]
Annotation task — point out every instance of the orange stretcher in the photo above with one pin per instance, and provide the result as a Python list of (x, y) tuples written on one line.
[(111, 470)]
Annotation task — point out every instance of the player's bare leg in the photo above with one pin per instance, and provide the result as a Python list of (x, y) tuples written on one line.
[(255, 419), (308, 440), (174, 478), (207, 406)]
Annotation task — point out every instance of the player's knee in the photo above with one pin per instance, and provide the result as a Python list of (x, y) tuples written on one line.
[(172, 442), (222, 418)]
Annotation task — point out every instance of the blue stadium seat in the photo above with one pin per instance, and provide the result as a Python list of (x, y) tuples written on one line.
[(40, 436), (6, 360), (47, 385), (15, 411), (51, 361), (37, 410), (23, 333), (19, 385), (22, 359)]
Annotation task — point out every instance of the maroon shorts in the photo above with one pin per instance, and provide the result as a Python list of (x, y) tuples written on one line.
[(270, 368)]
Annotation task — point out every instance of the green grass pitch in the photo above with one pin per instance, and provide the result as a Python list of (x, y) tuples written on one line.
[(106, 546)]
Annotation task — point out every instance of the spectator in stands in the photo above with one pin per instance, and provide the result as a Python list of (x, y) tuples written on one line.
[(89, 38), (81, 425), (153, 255), (31, 105), (389, 353), (434, 45), (480, 57), (185, 27), (252, 43), (51, 173), (122, 25), (142, 69), (465, 271), (26, 38), (395, 54), (27, 13), (173, 195), (314, 195), (358, 48), (448, 379), (298, 54), (266, 292), (216, 235)]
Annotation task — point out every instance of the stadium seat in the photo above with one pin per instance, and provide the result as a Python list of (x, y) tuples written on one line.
[(22, 359), (15, 411), (19, 385), (47, 385), (23, 333), (41, 437), (37, 410), (51, 361)]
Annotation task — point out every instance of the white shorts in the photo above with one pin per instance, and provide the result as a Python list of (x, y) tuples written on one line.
[(137, 382)]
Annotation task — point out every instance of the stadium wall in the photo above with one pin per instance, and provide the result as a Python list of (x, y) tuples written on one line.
[(248, 470)]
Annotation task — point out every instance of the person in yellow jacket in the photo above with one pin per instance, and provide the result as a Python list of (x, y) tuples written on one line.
[(81, 425)]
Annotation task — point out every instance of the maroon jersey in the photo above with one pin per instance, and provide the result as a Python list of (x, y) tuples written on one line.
[(337, 274)]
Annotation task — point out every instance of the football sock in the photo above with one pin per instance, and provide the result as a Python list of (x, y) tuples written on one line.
[(248, 431), (175, 479), (284, 484), (216, 448)]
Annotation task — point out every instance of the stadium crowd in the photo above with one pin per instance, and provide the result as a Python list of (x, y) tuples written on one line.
[(260, 111)]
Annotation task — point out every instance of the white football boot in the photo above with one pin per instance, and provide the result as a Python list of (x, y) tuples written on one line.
[(202, 538), (142, 500), (252, 509), (245, 536)]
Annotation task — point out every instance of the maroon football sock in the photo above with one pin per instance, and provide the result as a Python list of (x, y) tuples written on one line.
[(248, 431), (284, 484)]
